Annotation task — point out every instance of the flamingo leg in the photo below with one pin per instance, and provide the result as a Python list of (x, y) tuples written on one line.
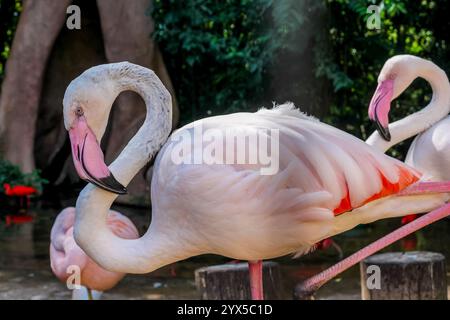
[(89, 292), (426, 187), (311, 285), (256, 280)]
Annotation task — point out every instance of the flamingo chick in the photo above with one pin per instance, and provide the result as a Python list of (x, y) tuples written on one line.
[(323, 181), (65, 254)]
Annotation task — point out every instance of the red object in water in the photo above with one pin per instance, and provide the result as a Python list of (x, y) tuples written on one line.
[(18, 191), (18, 219), (407, 219)]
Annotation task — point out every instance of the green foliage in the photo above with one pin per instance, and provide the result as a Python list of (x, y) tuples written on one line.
[(351, 55), (219, 53), (9, 16), (216, 52), (288, 19), (10, 173)]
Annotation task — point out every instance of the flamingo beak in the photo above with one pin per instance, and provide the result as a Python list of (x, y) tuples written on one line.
[(89, 160), (379, 107)]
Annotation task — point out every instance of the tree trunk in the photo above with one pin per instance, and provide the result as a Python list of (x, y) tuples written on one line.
[(412, 275), (38, 27), (74, 51), (30, 123), (231, 281)]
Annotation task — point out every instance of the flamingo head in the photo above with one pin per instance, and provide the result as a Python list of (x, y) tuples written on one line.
[(396, 75), (87, 104)]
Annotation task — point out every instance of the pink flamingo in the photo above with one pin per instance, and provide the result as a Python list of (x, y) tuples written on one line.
[(64, 253), (327, 181), (430, 150)]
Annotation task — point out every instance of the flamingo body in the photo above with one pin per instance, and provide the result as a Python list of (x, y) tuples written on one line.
[(430, 151), (430, 154), (323, 172), (326, 181), (64, 252)]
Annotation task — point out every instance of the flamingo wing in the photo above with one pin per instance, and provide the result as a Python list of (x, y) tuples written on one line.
[(322, 172), (64, 252), (63, 222)]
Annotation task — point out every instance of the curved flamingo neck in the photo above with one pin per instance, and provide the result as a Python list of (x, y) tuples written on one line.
[(156, 248), (153, 250), (438, 108), (156, 127)]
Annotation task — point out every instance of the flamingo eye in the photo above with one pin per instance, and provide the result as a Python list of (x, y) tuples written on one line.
[(79, 111)]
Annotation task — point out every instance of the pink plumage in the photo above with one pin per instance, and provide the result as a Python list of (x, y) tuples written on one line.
[(64, 252), (324, 181), (319, 170)]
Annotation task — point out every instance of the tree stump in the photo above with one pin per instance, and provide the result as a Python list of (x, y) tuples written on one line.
[(411, 275), (231, 281)]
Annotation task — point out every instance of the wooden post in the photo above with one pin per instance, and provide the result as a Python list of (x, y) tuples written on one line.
[(414, 275), (231, 281)]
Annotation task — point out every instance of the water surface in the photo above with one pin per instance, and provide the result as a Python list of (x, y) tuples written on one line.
[(25, 268)]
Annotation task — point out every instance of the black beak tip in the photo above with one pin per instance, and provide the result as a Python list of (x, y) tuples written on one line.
[(383, 131), (387, 135), (122, 191), (110, 184)]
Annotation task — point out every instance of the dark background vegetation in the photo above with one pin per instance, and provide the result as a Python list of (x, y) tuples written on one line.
[(220, 53), (9, 16), (355, 56)]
